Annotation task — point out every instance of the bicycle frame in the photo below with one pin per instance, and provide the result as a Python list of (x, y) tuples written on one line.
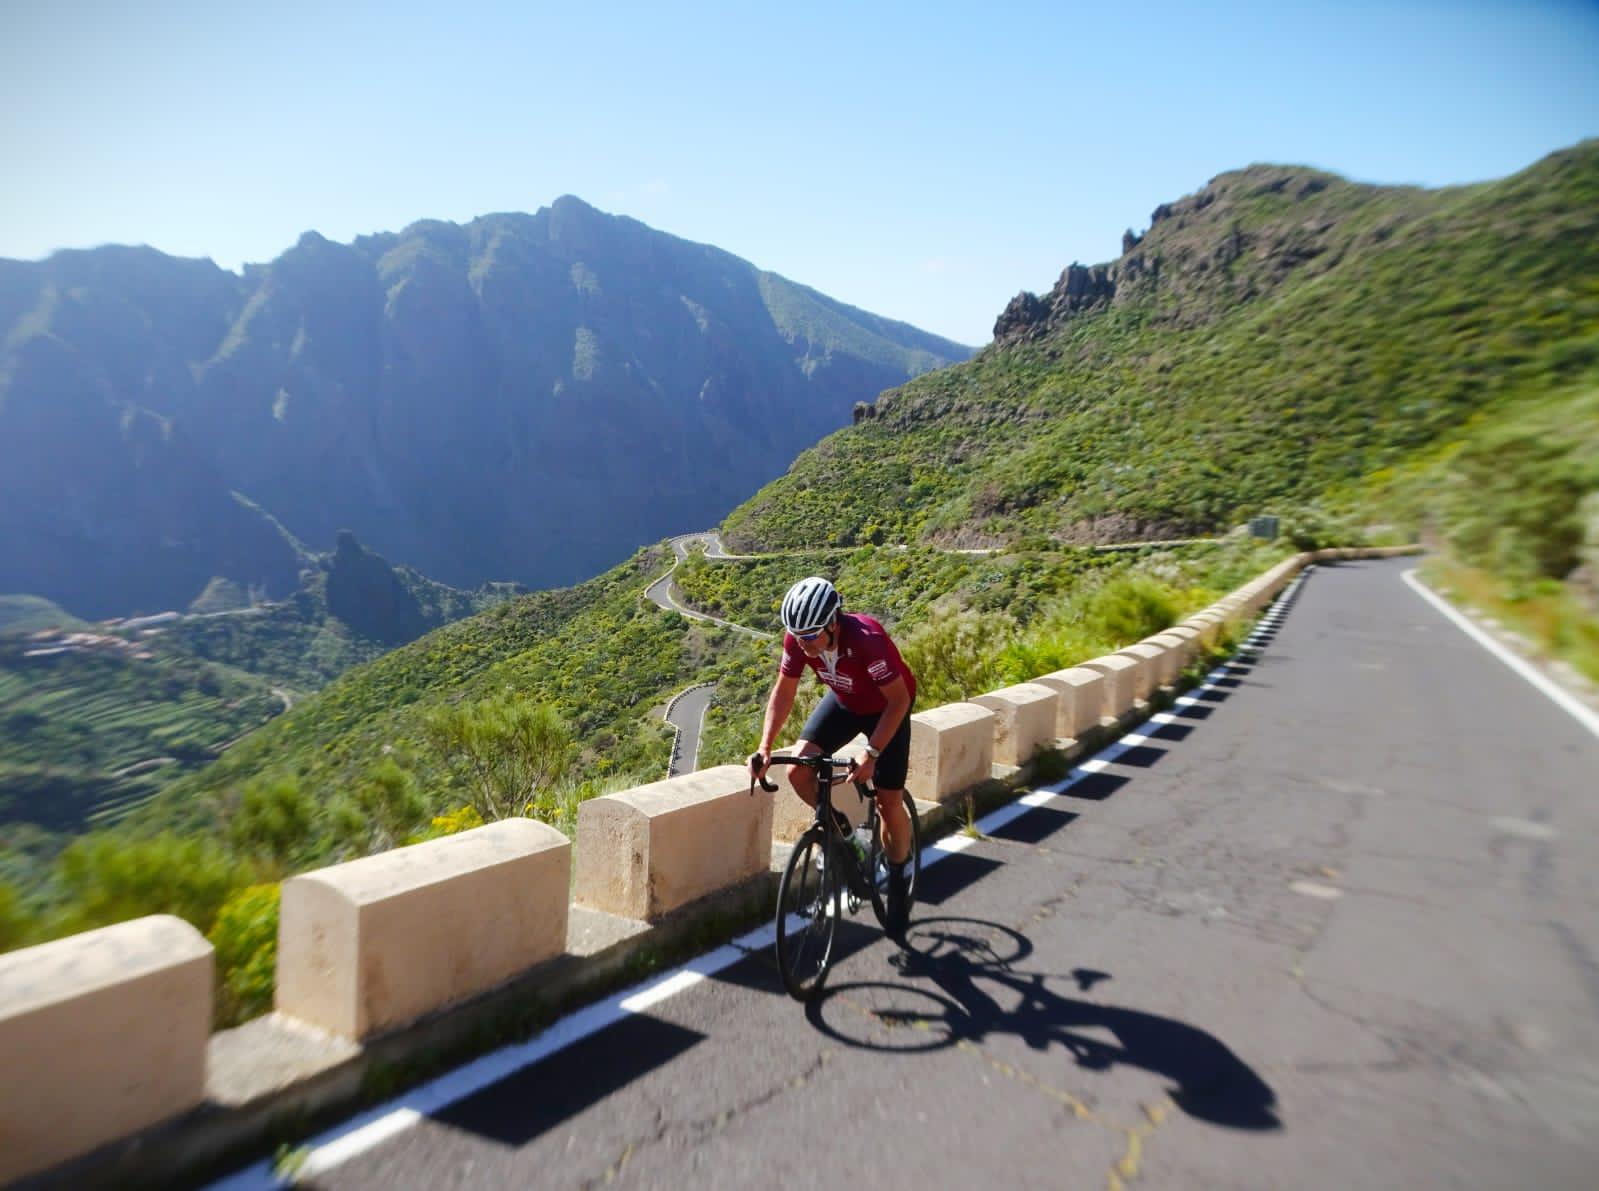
[(827, 774), (802, 908)]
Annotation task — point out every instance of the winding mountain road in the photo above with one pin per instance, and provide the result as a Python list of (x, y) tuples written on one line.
[(664, 594), (1331, 922), (686, 712)]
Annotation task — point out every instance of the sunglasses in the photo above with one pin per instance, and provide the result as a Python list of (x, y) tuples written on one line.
[(811, 636)]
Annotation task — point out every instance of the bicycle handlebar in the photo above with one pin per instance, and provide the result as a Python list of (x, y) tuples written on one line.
[(815, 761)]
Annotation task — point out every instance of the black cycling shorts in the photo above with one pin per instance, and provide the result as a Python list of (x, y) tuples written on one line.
[(832, 726)]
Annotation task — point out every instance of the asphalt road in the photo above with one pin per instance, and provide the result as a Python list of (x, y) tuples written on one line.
[(1334, 924), (664, 594), (688, 716)]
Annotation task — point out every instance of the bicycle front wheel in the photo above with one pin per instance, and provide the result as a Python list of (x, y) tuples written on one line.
[(807, 915)]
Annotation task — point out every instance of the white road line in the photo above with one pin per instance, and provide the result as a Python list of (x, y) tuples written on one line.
[(372, 1128), (360, 1134), (358, 1142), (1559, 697)]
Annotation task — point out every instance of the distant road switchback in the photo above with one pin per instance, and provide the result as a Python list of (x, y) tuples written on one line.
[(1332, 921)]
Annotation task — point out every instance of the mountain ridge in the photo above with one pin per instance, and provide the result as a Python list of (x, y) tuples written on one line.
[(524, 397), (1271, 339)]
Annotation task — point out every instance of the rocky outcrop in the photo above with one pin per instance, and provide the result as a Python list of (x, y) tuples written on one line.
[(366, 594), (1080, 288), (1025, 313), (1241, 235)]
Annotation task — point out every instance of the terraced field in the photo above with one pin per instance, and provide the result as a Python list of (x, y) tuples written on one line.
[(87, 737)]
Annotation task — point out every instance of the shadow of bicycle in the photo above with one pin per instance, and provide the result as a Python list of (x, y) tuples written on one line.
[(957, 969)]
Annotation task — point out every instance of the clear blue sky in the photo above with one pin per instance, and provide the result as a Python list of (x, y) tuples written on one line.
[(924, 161)]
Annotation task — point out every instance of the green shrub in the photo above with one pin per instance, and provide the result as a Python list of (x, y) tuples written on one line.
[(245, 936), (462, 818), (955, 654), (274, 819), (386, 804), (110, 878), (1129, 608), (508, 752), (16, 924), (1513, 499)]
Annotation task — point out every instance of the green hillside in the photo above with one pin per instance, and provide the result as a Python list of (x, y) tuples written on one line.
[(1272, 339), (606, 661), (87, 733)]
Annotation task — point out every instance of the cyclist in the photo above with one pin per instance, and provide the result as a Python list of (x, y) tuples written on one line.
[(870, 691)]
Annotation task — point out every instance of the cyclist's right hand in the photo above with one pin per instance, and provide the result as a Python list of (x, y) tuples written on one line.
[(759, 763)]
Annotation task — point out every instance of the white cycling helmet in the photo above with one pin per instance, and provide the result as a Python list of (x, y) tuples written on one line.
[(809, 605)]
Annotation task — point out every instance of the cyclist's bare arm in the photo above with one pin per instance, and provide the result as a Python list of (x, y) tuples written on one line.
[(896, 703), (778, 704)]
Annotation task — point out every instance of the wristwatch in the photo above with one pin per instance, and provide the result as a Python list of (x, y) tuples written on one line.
[(873, 753)]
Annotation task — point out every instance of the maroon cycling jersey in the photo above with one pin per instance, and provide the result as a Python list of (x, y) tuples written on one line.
[(866, 660)]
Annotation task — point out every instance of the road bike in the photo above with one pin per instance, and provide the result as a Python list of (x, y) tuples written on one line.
[(826, 874)]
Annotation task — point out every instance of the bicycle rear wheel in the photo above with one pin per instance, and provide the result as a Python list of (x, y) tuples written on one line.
[(880, 864), (807, 915)]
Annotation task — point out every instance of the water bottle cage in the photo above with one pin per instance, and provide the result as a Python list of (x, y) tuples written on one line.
[(856, 875)]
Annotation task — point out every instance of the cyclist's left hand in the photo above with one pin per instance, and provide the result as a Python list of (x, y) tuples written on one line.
[(865, 767)]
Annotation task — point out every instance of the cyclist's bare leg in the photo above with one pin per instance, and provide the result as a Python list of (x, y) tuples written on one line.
[(803, 780), (896, 824)]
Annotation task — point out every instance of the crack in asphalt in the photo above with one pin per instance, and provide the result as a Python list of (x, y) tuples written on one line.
[(1581, 958), (697, 1130), (1079, 1107), (1130, 1165), (1436, 1044)]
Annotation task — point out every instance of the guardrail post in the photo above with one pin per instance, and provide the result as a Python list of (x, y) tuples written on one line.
[(1024, 720), (644, 852), (952, 750), (103, 1034), (376, 943)]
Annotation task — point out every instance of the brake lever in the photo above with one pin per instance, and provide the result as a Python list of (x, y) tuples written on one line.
[(769, 787)]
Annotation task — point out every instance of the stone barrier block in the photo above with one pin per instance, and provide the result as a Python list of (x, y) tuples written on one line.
[(1119, 692), (1208, 625), (1191, 639), (1144, 675), (376, 943), (645, 852), (1024, 720), (102, 1034), (1230, 611), (952, 750), (1081, 699), (1172, 653)]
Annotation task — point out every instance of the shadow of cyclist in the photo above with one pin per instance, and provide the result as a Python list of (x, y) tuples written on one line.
[(968, 961)]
